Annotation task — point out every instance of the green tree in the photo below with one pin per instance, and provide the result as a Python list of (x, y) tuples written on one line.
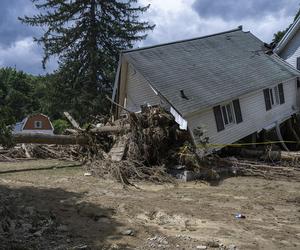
[(280, 34), (20, 95), (86, 36)]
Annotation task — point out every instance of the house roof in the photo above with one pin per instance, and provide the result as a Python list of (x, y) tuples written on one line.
[(209, 70), (19, 126), (288, 35)]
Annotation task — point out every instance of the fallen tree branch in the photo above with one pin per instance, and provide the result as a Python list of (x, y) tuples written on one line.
[(118, 105)]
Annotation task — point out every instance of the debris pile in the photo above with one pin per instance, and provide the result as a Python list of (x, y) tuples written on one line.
[(38, 151), (148, 145), (148, 150)]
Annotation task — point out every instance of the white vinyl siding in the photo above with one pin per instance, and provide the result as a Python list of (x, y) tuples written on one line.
[(292, 50), (138, 91), (255, 116)]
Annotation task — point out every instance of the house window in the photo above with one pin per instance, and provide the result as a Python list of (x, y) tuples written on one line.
[(228, 114), (274, 93), (274, 96), (38, 124)]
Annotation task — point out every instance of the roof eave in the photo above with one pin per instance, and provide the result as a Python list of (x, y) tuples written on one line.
[(181, 41), (288, 36)]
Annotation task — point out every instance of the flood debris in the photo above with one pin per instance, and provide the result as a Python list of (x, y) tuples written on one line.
[(40, 151), (150, 145)]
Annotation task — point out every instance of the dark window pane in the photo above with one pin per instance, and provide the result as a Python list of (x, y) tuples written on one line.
[(219, 119), (281, 93), (237, 111), (271, 95), (224, 115), (229, 112), (267, 99)]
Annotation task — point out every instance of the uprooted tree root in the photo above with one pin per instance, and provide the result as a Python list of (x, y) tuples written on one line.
[(126, 171), (153, 145)]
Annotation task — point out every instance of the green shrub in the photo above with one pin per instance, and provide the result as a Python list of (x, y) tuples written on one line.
[(60, 126)]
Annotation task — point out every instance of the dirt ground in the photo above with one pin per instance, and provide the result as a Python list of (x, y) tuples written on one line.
[(61, 208)]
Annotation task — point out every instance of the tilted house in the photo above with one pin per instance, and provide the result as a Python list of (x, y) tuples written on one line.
[(37, 123), (289, 46), (226, 83)]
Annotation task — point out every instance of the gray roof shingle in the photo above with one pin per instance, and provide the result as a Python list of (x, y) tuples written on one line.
[(210, 69)]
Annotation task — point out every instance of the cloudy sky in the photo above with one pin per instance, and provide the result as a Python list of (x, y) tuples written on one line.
[(174, 19)]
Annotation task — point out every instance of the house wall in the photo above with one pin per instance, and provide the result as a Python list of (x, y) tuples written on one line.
[(255, 116), (292, 50), (138, 91), (46, 125)]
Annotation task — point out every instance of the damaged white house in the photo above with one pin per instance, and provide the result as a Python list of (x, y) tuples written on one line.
[(227, 83), (289, 46)]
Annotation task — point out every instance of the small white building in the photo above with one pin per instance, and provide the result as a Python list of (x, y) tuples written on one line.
[(289, 46), (37, 123), (227, 83)]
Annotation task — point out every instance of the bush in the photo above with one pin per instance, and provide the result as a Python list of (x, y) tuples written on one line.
[(60, 126)]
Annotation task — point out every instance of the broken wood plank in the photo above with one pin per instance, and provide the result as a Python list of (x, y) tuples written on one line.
[(27, 154), (72, 121), (118, 149)]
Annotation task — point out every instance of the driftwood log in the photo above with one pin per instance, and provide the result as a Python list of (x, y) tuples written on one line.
[(80, 139), (50, 139)]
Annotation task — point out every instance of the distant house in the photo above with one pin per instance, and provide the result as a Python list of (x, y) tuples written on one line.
[(227, 83), (37, 123), (289, 46)]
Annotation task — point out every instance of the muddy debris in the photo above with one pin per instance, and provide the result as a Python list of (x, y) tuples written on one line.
[(150, 146)]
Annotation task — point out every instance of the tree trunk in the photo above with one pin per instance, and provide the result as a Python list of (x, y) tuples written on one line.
[(50, 139), (65, 139)]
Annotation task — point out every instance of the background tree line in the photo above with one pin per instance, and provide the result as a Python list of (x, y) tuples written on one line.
[(86, 36)]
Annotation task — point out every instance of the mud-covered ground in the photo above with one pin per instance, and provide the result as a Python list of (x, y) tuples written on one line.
[(60, 208)]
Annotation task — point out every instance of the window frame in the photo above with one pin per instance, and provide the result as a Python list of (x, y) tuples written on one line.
[(274, 96), (224, 107), (36, 124)]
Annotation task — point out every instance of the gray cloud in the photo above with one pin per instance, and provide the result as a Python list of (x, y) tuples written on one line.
[(17, 48), (11, 28), (235, 10)]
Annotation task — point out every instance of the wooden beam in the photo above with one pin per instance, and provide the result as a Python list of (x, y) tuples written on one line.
[(291, 128), (72, 120), (278, 132)]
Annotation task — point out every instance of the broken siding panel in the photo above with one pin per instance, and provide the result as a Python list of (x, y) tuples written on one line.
[(255, 116), (138, 91), (292, 50)]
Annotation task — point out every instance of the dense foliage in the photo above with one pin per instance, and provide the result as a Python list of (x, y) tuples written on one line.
[(86, 36), (20, 94)]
